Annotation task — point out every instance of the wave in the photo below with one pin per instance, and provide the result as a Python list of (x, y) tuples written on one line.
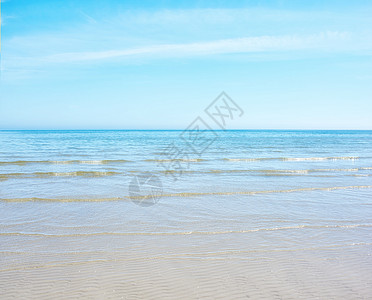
[(37, 199), (303, 171), (251, 172), (269, 172), (293, 158), (115, 161), (64, 162), (351, 226), (176, 160), (186, 194), (257, 192), (58, 174)]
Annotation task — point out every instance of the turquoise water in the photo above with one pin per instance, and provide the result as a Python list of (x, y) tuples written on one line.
[(88, 165), (76, 197)]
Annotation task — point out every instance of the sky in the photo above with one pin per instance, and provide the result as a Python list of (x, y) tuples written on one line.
[(94, 64)]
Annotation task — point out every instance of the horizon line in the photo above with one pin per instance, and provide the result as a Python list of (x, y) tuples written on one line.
[(262, 129)]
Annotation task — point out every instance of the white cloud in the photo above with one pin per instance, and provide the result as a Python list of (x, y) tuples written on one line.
[(140, 36), (328, 41)]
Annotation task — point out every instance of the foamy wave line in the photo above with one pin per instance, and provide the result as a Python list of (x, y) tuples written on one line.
[(58, 174), (187, 194), (269, 172), (113, 161), (63, 162), (293, 158), (176, 160), (187, 232), (257, 192), (262, 172), (252, 172)]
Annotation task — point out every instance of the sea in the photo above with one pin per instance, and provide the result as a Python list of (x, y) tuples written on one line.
[(159, 214)]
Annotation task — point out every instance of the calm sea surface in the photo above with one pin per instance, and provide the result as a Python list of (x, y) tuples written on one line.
[(265, 214)]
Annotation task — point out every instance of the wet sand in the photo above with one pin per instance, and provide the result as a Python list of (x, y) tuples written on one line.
[(118, 250)]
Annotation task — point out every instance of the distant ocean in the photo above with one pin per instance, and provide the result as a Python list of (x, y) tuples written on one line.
[(77, 202)]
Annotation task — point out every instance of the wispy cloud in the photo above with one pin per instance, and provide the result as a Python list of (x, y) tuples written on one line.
[(88, 17), (327, 41), (142, 36)]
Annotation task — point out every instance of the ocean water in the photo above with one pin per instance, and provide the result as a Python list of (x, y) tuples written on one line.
[(165, 214)]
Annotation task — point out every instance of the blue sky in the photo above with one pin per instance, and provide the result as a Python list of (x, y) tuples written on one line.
[(157, 64)]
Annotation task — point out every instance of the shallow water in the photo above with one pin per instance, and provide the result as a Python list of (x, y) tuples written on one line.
[(138, 214)]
